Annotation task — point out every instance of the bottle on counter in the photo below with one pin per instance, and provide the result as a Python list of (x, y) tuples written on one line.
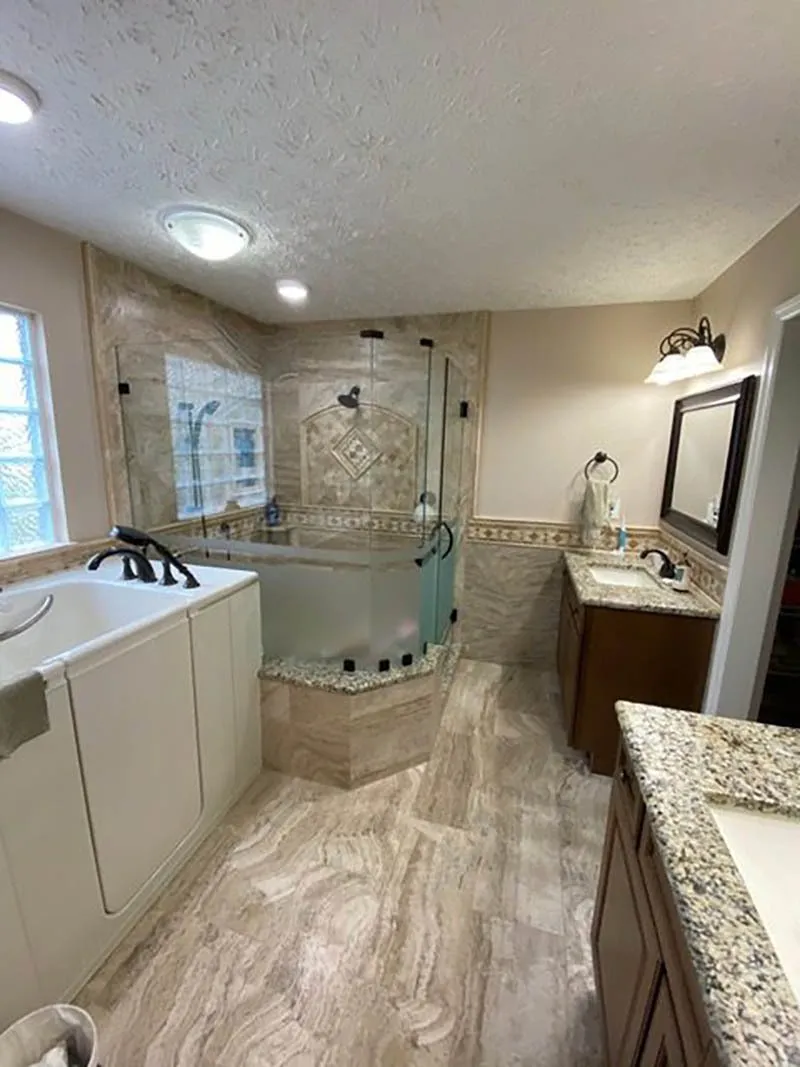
[(272, 512)]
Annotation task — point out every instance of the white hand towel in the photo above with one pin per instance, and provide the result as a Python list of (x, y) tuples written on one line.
[(594, 514)]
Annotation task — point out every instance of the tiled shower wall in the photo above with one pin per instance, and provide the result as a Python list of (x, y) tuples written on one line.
[(133, 317), (327, 456), (321, 455)]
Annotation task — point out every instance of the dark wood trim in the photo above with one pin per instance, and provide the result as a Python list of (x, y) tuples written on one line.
[(743, 393)]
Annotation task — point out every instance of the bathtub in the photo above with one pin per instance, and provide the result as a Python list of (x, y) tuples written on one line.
[(90, 610), (152, 695)]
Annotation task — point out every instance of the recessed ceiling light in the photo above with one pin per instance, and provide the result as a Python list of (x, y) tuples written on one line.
[(206, 234), (18, 102), (292, 291)]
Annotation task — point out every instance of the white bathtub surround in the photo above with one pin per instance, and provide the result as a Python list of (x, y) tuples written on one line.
[(153, 703)]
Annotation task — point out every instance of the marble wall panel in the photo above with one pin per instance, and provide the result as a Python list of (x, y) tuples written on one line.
[(706, 569), (38, 564), (365, 459), (392, 728), (320, 360), (132, 315), (511, 603), (347, 740)]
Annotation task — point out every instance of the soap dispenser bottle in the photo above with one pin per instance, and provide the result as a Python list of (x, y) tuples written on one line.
[(622, 538), (272, 512)]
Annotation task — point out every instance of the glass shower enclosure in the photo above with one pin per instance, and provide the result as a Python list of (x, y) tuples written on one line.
[(332, 467)]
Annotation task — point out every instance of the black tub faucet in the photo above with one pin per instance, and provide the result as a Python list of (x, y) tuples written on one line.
[(134, 564), (131, 536), (667, 569)]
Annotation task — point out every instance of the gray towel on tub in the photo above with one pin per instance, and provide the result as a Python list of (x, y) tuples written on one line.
[(23, 712)]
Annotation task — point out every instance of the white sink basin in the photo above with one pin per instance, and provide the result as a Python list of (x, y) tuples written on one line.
[(632, 577), (766, 849)]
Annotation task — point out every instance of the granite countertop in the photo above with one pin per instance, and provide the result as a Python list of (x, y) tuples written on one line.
[(331, 677), (684, 763), (657, 598)]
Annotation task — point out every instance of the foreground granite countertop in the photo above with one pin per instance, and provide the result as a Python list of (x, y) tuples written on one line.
[(684, 763), (660, 598)]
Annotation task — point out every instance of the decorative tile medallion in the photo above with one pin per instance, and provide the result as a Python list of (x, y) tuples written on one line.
[(356, 452)]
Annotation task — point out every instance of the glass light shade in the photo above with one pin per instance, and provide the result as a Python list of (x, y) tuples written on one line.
[(701, 360), (18, 102), (292, 291), (206, 234), (670, 368)]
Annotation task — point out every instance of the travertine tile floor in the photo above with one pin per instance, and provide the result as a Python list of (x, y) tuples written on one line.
[(440, 916)]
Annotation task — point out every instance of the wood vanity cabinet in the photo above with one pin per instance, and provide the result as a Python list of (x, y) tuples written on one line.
[(649, 999), (662, 1044), (611, 654)]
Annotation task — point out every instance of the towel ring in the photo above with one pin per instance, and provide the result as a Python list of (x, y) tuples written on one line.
[(602, 457)]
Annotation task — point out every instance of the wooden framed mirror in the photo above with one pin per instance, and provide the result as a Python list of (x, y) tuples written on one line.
[(707, 450)]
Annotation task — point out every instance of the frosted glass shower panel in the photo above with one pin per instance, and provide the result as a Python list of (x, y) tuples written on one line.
[(395, 611), (312, 611)]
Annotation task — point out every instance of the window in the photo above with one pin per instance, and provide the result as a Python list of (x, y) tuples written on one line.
[(244, 443), (217, 427), (31, 515)]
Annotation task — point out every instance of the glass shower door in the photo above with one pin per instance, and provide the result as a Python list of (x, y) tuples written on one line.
[(445, 450), (451, 496), (430, 549)]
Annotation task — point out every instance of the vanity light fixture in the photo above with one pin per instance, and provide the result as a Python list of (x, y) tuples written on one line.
[(206, 234), (18, 101), (292, 291), (686, 353)]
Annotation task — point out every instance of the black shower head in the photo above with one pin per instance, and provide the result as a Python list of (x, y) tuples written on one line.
[(350, 400)]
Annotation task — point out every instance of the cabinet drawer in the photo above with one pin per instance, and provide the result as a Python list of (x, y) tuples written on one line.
[(677, 964), (630, 799)]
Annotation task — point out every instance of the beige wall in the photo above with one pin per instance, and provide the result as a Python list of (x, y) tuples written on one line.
[(740, 302), (561, 384), (41, 271)]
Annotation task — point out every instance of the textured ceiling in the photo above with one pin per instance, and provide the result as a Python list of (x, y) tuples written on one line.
[(414, 156)]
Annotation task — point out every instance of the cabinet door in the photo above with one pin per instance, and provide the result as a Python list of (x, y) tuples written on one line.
[(245, 609), (626, 955), (569, 655), (662, 1045)]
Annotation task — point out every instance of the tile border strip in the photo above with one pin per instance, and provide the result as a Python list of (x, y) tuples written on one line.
[(708, 576)]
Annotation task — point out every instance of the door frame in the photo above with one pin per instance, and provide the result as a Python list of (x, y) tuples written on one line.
[(767, 512)]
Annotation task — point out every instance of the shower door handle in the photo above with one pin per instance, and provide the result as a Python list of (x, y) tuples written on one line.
[(442, 525), (451, 538)]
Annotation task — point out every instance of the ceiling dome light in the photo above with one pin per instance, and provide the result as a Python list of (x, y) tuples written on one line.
[(206, 234), (292, 292), (18, 102)]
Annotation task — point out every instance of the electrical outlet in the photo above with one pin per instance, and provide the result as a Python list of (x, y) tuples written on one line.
[(614, 508)]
